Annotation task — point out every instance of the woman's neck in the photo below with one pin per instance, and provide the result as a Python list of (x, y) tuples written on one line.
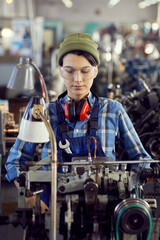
[(77, 100)]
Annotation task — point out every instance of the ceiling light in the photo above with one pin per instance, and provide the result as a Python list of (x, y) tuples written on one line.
[(155, 26), (141, 5), (9, 1), (96, 36), (108, 56), (147, 3), (135, 27), (118, 46), (67, 3), (147, 25), (112, 3), (149, 48), (7, 33)]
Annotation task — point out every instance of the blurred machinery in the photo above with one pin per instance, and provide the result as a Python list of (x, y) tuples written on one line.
[(143, 108), (7, 129)]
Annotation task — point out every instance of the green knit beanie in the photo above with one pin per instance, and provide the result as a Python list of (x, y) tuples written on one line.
[(79, 41)]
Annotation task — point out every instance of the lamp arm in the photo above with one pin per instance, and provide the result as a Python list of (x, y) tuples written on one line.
[(53, 172), (43, 84)]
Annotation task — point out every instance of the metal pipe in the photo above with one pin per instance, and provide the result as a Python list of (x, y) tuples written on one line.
[(95, 149), (42, 82), (53, 173), (108, 162)]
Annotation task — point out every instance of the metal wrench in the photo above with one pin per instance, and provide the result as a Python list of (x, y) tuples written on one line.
[(65, 146)]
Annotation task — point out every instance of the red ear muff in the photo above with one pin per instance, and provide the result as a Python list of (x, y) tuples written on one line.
[(70, 111), (79, 112), (66, 113), (83, 109)]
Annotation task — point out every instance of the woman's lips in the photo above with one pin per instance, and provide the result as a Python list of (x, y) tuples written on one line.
[(78, 87)]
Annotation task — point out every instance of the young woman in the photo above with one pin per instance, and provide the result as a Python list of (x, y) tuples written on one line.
[(79, 114)]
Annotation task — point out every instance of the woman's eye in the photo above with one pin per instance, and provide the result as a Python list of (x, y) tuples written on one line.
[(69, 70), (85, 71)]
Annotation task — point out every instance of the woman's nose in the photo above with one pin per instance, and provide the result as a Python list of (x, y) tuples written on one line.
[(77, 76)]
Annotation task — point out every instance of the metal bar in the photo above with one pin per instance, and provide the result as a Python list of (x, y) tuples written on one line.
[(109, 162), (54, 176), (43, 84)]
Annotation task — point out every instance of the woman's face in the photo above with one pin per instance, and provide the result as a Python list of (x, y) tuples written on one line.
[(77, 86)]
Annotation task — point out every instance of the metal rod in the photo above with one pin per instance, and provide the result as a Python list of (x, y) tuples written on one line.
[(93, 162), (53, 173), (108, 162), (41, 78)]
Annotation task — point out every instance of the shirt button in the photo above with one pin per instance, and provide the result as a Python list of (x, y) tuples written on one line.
[(77, 130)]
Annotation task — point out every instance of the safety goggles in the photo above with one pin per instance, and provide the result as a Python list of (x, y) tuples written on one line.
[(85, 73)]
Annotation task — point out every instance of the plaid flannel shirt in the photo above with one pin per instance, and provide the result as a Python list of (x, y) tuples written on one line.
[(114, 125)]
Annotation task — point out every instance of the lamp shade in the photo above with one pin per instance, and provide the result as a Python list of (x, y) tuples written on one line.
[(32, 128), (22, 77)]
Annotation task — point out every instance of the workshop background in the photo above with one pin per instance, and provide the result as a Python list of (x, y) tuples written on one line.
[(128, 36)]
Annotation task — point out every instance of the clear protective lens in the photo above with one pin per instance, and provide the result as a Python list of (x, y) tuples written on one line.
[(70, 73)]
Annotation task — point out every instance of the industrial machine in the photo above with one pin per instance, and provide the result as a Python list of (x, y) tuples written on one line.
[(96, 199)]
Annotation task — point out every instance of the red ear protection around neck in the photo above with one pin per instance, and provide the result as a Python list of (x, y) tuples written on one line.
[(74, 112)]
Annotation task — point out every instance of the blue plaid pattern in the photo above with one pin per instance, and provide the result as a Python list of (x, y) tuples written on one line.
[(113, 125)]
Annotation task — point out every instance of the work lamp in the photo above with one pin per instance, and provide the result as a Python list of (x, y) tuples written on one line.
[(23, 77)]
